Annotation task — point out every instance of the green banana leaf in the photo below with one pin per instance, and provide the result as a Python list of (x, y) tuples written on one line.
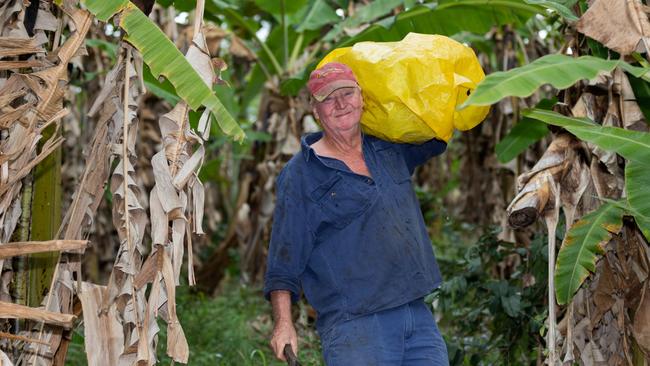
[(523, 134), (556, 6), (643, 222), (164, 90), (318, 15), (632, 145), (217, 11), (163, 58), (103, 10), (410, 3), (641, 90), (364, 14), (447, 17), (637, 188), (108, 47), (274, 43), (558, 70), (275, 6), (581, 247)]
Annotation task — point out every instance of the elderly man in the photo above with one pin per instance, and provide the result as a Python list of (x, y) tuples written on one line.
[(349, 232)]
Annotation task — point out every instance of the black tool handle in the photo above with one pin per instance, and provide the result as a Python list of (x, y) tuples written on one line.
[(292, 360)]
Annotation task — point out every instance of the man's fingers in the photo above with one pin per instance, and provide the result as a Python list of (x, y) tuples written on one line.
[(284, 334), (294, 346), (277, 349)]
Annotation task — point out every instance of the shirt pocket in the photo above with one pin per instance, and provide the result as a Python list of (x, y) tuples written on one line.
[(341, 200), (394, 163)]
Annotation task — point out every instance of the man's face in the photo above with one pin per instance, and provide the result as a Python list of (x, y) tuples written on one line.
[(341, 110)]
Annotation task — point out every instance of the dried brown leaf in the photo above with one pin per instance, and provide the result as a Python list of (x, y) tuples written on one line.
[(200, 60), (213, 37), (533, 186), (164, 184), (177, 347), (239, 49), (10, 47), (24, 248), (12, 65), (551, 217), (621, 25), (4, 360), (641, 324), (103, 338), (189, 168), (15, 311)]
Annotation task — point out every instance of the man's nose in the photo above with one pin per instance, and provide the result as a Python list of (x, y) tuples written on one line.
[(340, 102)]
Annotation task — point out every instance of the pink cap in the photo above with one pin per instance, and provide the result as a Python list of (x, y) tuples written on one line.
[(333, 75)]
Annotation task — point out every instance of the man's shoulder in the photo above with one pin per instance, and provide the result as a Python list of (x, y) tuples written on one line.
[(293, 173), (380, 144), (295, 165)]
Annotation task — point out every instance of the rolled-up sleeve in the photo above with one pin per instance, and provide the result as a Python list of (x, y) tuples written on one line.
[(416, 155), (291, 239)]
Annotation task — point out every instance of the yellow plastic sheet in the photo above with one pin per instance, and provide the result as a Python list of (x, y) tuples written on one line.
[(411, 88)]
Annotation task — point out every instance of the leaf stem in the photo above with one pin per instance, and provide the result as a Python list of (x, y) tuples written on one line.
[(294, 53), (285, 33)]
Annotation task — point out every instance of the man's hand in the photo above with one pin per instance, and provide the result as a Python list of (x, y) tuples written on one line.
[(284, 331)]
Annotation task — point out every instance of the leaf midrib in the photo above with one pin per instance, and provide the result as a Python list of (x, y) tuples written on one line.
[(492, 3), (600, 133), (518, 73)]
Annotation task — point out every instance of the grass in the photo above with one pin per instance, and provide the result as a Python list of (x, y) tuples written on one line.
[(230, 329)]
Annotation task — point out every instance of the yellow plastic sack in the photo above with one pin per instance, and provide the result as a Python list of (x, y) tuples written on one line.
[(411, 88)]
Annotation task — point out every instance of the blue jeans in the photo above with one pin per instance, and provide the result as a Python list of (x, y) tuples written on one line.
[(403, 336)]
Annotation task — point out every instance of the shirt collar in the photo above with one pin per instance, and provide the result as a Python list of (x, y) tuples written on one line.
[(310, 138), (306, 141)]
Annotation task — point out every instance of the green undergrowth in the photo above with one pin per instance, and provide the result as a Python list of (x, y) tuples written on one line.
[(232, 328), (490, 307)]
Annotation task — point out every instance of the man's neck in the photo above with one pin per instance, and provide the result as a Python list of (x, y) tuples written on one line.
[(343, 143)]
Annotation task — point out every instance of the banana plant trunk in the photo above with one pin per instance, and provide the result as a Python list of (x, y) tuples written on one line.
[(45, 221)]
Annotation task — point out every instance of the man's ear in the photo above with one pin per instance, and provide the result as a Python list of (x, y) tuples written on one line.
[(315, 113)]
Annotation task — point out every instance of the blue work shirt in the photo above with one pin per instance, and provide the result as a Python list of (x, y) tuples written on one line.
[(354, 244)]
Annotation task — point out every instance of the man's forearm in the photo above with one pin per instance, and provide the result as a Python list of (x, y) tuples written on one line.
[(281, 303), (284, 332)]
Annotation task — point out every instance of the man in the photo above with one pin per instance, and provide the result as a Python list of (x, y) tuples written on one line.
[(349, 232)]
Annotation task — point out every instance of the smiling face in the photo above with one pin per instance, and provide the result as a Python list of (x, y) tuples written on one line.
[(340, 111)]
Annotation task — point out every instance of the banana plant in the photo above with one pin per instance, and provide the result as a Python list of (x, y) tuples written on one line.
[(164, 59), (584, 240)]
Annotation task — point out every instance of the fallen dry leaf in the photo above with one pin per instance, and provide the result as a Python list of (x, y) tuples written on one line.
[(621, 25)]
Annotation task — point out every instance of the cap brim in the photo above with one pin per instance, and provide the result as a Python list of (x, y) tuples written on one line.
[(334, 85)]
